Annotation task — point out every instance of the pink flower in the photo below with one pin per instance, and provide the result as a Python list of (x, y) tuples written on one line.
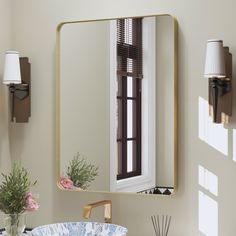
[(66, 183), (32, 205), (28, 195)]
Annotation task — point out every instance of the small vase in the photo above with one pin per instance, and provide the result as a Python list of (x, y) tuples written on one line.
[(14, 224)]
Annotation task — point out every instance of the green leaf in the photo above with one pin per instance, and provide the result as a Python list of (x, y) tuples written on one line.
[(81, 172), (13, 189)]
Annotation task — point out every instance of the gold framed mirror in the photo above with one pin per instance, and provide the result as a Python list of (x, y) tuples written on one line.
[(116, 105)]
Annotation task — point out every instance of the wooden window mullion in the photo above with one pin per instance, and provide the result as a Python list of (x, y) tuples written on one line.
[(129, 64), (124, 124)]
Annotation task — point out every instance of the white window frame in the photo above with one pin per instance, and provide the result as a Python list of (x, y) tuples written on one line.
[(147, 179)]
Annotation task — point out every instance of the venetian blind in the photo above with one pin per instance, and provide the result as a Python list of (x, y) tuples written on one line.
[(129, 47)]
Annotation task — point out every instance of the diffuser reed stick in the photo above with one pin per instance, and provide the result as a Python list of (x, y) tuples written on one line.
[(161, 224)]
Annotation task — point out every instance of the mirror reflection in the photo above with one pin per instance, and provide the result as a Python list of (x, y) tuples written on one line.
[(117, 105)]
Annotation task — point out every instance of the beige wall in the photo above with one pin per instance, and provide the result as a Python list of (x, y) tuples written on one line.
[(34, 25)]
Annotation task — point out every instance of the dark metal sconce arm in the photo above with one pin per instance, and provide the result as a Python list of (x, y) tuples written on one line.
[(20, 91), (219, 88)]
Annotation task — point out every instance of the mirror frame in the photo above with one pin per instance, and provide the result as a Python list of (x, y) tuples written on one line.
[(57, 102)]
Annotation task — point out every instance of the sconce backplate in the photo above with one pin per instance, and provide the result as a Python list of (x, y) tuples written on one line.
[(22, 93)]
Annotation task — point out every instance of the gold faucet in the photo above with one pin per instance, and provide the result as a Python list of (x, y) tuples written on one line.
[(107, 210)]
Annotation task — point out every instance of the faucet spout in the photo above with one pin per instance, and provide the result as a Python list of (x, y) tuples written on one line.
[(107, 210)]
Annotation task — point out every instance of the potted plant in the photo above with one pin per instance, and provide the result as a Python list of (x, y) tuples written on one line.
[(16, 199), (79, 174)]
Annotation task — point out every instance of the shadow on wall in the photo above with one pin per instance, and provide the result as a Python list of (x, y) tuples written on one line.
[(213, 134), (220, 137)]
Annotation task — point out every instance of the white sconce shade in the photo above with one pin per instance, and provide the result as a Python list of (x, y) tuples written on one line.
[(215, 61), (12, 73)]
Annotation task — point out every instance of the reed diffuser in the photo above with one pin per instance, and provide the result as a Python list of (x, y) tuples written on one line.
[(161, 224)]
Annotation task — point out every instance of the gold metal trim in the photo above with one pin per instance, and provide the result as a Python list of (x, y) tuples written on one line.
[(57, 109), (176, 115)]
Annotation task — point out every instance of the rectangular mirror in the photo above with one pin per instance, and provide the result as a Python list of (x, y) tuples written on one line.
[(116, 118)]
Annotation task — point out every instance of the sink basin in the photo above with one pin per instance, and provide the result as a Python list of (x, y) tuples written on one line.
[(80, 229)]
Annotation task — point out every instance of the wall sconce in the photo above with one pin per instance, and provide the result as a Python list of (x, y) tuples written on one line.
[(17, 77), (218, 70)]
